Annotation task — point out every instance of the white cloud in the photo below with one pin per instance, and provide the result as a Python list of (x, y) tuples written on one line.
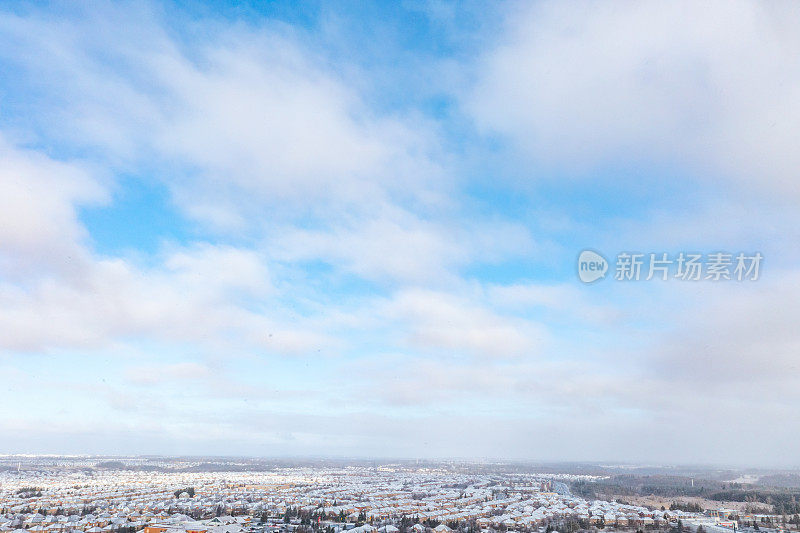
[(710, 84), (212, 297), (153, 374), (453, 325), (745, 337), (565, 298), (393, 244), (246, 121), (223, 272), (39, 230)]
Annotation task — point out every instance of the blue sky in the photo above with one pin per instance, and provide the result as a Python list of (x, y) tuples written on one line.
[(278, 228)]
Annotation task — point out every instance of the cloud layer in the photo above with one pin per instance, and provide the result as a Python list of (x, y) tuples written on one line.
[(395, 275)]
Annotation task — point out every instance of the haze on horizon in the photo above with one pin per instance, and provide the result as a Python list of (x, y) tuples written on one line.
[(351, 229)]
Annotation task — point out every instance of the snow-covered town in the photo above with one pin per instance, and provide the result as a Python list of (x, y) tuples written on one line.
[(384, 498)]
